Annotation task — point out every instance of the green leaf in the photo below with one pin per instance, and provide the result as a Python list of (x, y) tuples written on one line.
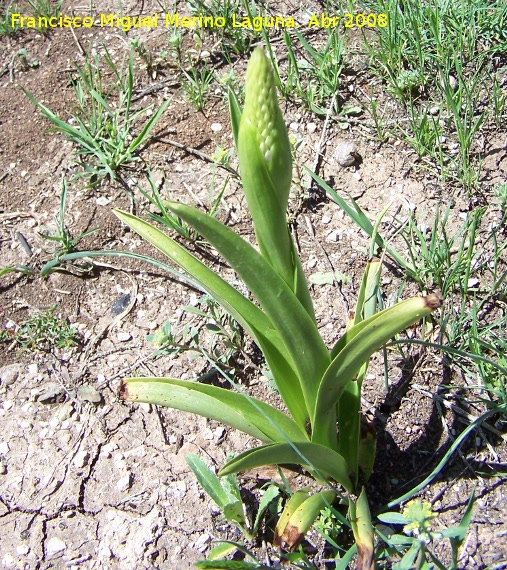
[(392, 518), (244, 413), (363, 340), (296, 329), (251, 318), (210, 482), (235, 114), (302, 518), (267, 498), (322, 461)]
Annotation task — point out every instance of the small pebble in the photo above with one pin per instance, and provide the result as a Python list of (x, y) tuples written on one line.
[(121, 304), (294, 127), (4, 448), (311, 128), (55, 545), (81, 459), (326, 219), (123, 484), (22, 549), (346, 154), (9, 374), (123, 336), (103, 201), (216, 127), (33, 368)]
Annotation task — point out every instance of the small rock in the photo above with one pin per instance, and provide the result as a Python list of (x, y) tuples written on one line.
[(8, 561), (453, 82), (9, 374), (123, 484), (294, 127), (434, 110), (326, 219), (333, 236), (4, 448), (81, 459), (55, 545), (121, 304), (216, 127), (22, 550), (89, 394), (202, 542), (7, 405), (103, 201), (3, 466), (123, 336), (33, 368), (346, 154), (311, 128)]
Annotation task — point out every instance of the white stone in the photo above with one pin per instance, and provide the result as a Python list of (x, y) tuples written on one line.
[(22, 549), (33, 368), (9, 374), (311, 127), (123, 484), (4, 448), (216, 127), (103, 201), (8, 561), (81, 459), (55, 545), (123, 336)]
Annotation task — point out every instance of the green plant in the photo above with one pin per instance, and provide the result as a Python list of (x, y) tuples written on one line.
[(415, 545), (44, 331), (43, 10), (225, 338), (234, 41), (60, 234), (25, 61), (6, 26), (226, 495), (150, 62), (197, 84), (104, 132), (319, 386)]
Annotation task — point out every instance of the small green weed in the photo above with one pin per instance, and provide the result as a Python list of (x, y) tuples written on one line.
[(104, 132), (415, 545), (43, 10), (151, 62), (60, 234), (197, 84), (224, 337), (6, 26), (45, 331)]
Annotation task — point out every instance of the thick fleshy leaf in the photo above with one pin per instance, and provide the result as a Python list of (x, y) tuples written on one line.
[(251, 318), (360, 519), (373, 334), (301, 519), (237, 410), (321, 461), (296, 328), (235, 114)]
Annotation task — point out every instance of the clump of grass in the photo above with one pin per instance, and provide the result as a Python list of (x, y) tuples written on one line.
[(104, 130)]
